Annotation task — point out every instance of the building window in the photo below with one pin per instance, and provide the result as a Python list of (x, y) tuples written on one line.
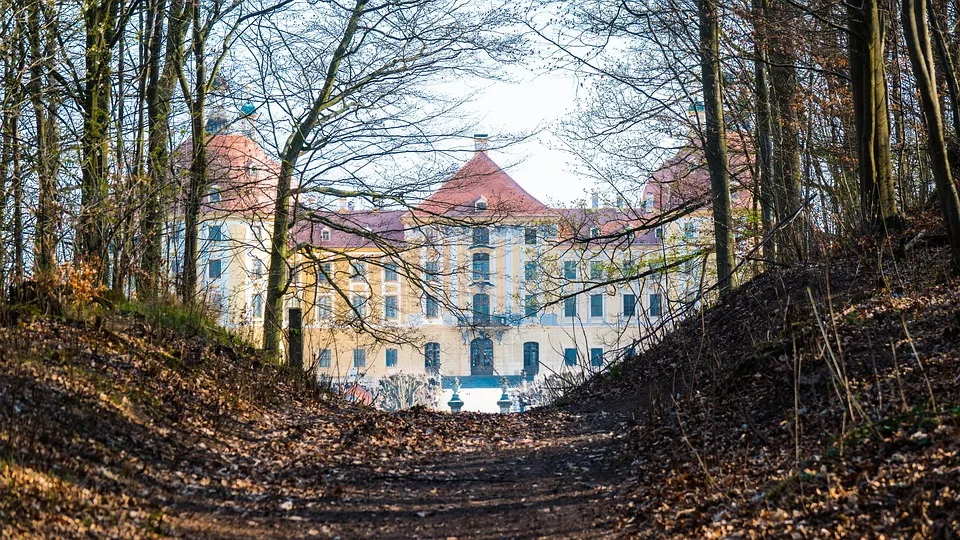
[(214, 194), (596, 270), (570, 307), (594, 232), (530, 306), (214, 269), (570, 269), (324, 359), (432, 307), (390, 272), (629, 305), (256, 305), (481, 308), (294, 275), (358, 269), (390, 307), (359, 305), (655, 304), (431, 357), (596, 305), (257, 231), (570, 357), (324, 307), (658, 232), (531, 357), (432, 270), (481, 236), (325, 273), (391, 358), (530, 270), (481, 203), (214, 233), (481, 267), (257, 270), (530, 236), (325, 234), (596, 357), (359, 358)]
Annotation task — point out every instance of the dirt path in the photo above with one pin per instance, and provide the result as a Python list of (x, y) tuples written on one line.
[(546, 474)]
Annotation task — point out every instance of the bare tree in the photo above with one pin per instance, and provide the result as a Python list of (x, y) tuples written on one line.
[(917, 35), (382, 54)]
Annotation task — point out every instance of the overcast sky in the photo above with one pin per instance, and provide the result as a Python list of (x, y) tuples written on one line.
[(533, 99)]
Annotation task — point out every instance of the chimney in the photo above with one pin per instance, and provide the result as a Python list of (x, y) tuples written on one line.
[(481, 142), (343, 204)]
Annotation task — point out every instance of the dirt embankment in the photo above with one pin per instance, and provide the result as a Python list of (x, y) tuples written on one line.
[(822, 400)]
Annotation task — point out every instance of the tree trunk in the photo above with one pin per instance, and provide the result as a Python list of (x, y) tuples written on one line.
[(100, 19), (277, 277), (198, 165), (949, 70), (783, 76), (48, 137), (715, 144), (917, 37), (159, 95), (764, 136), (868, 83)]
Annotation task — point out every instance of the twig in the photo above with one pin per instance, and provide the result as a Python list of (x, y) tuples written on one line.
[(933, 401)]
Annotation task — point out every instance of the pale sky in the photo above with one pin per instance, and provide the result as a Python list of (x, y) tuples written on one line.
[(537, 164)]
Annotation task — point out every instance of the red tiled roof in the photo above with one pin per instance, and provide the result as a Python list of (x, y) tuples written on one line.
[(239, 170), (353, 229), (685, 179), (480, 177)]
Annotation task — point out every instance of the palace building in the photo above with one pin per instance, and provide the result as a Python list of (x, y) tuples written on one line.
[(478, 279)]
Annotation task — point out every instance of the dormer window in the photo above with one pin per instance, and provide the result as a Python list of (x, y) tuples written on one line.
[(325, 234), (214, 194), (481, 203), (594, 232), (252, 168)]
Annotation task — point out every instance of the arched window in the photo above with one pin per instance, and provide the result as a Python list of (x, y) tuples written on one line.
[(481, 356), (481, 267), (431, 357), (531, 358), (481, 236), (481, 308)]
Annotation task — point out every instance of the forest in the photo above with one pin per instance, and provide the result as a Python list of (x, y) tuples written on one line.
[(813, 391)]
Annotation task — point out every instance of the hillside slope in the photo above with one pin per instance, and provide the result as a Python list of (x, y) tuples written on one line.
[(125, 429), (802, 404)]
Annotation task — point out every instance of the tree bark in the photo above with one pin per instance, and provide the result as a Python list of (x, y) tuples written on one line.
[(786, 93), (917, 37), (159, 96), (48, 137), (100, 19), (198, 165), (294, 146), (715, 145), (868, 83), (764, 135)]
